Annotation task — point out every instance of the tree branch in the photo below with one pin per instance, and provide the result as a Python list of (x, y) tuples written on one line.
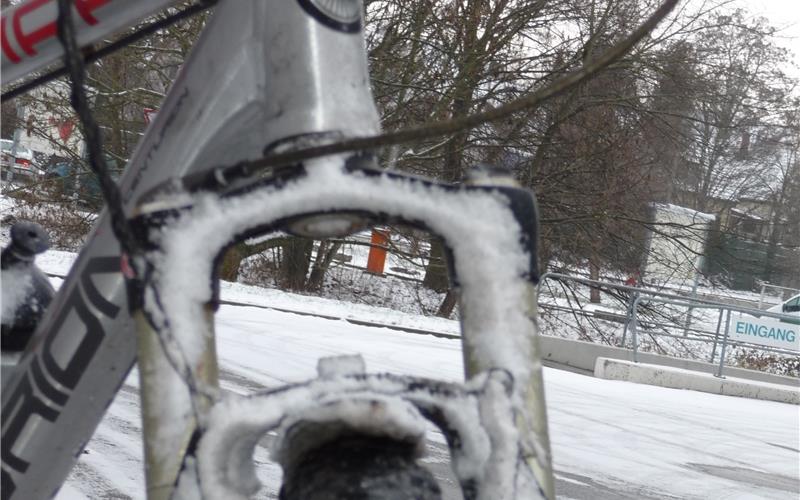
[(468, 122)]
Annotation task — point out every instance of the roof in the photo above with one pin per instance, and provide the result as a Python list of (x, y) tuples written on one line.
[(684, 211)]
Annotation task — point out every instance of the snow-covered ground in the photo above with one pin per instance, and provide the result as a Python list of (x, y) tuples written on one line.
[(610, 439)]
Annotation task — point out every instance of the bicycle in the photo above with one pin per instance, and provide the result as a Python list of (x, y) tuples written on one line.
[(180, 185)]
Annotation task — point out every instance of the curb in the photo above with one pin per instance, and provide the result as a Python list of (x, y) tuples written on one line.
[(580, 355), (677, 378)]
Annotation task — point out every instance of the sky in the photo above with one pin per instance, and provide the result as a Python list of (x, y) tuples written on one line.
[(785, 15)]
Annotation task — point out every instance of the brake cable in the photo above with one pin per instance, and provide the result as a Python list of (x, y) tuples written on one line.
[(130, 246)]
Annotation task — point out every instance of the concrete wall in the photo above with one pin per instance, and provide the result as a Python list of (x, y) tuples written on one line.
[(582, 356), (676, 378)]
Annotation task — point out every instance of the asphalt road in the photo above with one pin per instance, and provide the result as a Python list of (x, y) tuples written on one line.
[(611, 440)]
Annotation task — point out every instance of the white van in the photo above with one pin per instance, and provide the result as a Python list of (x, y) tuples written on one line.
[(790, 307)]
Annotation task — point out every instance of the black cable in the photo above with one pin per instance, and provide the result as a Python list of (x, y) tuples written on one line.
[(110, 48), (73, 61), (119, 223)]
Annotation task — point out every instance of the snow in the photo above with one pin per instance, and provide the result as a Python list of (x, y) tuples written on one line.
[(678, 211), (747, 215), (17, 284), (482, 417), (193, 242), (375, 416), (56, 261), (236, 424), (485, 239), (618, 435), (639, 440), (654, 437), (292, 302)]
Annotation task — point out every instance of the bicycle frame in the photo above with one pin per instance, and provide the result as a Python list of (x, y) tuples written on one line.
[(29, 40), (262, 77)]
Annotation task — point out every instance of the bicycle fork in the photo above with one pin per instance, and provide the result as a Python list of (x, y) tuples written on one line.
[(474, 220)]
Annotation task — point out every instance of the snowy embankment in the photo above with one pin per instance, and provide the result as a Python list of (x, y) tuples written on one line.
[(610, 439), (55, 262)]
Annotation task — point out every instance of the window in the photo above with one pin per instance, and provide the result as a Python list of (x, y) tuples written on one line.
[(748, 226)]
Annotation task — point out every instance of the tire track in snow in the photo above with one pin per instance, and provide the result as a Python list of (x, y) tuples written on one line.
[(659, 440), (93, 483), (642, 414), (110, 467)]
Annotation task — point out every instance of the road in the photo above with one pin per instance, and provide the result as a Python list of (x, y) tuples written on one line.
[(610, 440)]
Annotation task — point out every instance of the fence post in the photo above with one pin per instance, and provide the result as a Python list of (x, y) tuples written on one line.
[(690, 309), (716, 336), (724, 345), (628, 317), (377, 251), (541, 282), (635, 329)]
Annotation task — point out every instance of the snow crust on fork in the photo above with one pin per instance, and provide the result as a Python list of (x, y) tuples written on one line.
[(488, 258), (490, 262), (485, 453)]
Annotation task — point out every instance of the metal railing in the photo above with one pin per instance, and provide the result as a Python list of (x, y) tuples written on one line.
[(724, 310), (632, 319)]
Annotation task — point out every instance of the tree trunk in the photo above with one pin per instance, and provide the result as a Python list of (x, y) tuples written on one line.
[(296, 259), (232, 260), (447, 305), (229, 265), (9, 119), (436, 270), (779, 203), (772, 241), (322, 263)]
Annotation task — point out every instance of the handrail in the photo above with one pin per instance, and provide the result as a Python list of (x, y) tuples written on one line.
[(639, 294), (605, 284)]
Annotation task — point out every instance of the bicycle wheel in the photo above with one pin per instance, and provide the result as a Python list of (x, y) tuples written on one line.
[(361, 468)]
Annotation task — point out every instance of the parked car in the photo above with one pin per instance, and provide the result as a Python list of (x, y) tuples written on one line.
[(790, 307), (73, 179), (22, 165)]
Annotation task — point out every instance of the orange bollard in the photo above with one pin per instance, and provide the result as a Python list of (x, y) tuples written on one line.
[(377, 252)]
